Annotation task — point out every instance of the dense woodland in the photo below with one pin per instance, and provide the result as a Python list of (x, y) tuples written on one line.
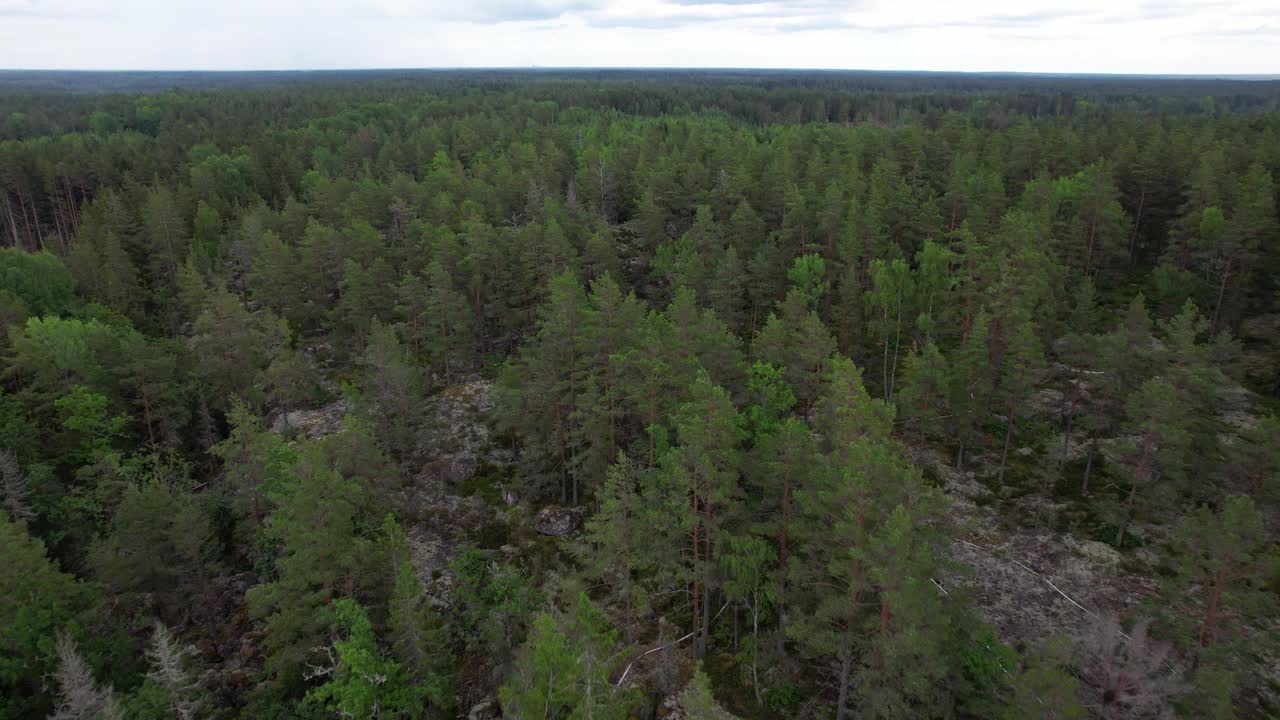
[(754, 332)]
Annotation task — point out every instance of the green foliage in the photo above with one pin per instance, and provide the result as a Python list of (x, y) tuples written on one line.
[(314, 526), (85, 416), (563, 669), (159, 544), (697, 700), (1220, 561), (494, 601), (37, 601), (40, 281), (363, 682), (772, 400)]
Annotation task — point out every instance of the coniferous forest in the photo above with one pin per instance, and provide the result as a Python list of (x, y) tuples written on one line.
[(608, 394)]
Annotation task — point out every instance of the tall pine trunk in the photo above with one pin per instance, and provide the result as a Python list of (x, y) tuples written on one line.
[(1144, 471), (1008, 434), (1211, 612), (1088, 464), (846, 669), (695, 534)]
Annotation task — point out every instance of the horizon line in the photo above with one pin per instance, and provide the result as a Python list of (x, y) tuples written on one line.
[(655, 68)]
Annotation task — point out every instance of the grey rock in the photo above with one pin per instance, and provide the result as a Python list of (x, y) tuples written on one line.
[(484, 710), (509, 496), (457, 441), (313, 424), (1098, 552), (559, 521)]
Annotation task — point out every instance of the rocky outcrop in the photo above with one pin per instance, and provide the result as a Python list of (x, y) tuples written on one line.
[(456, 440), (313, 424), (559, 521), (1027, 582), (486, 709)]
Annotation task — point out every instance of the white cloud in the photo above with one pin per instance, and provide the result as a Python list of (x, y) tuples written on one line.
[(1131, 36)]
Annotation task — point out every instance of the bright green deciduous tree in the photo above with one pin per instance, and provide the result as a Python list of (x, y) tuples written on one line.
[(362, 681)]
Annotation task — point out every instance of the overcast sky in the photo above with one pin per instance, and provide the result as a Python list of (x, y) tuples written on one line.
[(1129, 36)]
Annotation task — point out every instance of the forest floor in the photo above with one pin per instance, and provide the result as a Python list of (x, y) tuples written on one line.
[(1031, 583)]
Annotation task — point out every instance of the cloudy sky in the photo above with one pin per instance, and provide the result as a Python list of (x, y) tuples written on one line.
[(1130, 36)]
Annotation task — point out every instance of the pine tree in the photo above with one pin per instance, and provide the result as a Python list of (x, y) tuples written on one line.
[(831, 625), (726, 293), (37, 601), (624, 543), (750, 581), (159, 544), (563, 670), (448, 323), (645, 377), (1220, 558), (970, 387), (698, 702), (908, 652), (1154, 417), (169, 657), (362, 682), (392, 385), (797, 341), (924, 394), (364, 299), (1023, 358), (82, 698), (698, 341), (845, 412), (538, 394), (314, 525), (15, 493), (232, 345), (1044, 687), (707, 457)]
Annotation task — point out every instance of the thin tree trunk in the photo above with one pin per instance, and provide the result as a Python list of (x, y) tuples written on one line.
[(35, 215), (897, 341), (564, 463), (706, 579), (1222, 291), (842, 699), (1128, 513), (1144, 471), (146, 416), (755, 650), (1070, 414), (573, 394), (13, 226), (696, 534), (1008, 434), (884, 363), (783, 549), (1088, 464), (1211, 613), (1137, 223), (22, 205), (1093, 235), (736, 608), (75, 206), (831, 269)]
